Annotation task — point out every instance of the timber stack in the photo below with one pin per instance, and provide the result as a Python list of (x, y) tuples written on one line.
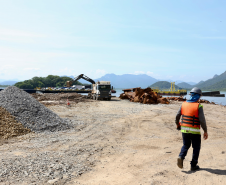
[(145, 96), (184, 99), (181, 98)]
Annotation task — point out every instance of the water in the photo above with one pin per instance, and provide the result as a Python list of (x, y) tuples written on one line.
[(217, 100)]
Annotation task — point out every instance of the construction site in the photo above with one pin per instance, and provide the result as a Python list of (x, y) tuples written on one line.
[(68, 138)]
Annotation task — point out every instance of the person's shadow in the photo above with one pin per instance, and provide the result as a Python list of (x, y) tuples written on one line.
[(214, 171)]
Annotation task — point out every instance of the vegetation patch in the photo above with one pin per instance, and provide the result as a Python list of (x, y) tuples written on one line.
[(162, 85), (49, 81)]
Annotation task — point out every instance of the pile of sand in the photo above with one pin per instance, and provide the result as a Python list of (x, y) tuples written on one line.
[(9, 126)]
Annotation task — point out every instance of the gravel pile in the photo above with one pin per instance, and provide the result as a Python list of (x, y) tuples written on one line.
[(61, 157), (9, 126), (28, 111), (45, 167)]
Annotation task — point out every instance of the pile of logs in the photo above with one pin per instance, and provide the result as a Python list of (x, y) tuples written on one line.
[(184, 99), (145, 96), (206, 101), (181, 98)]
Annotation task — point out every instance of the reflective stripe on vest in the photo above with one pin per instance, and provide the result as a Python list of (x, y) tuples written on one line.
[(190, 118), (190, 130)]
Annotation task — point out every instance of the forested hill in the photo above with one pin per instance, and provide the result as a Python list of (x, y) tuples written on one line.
[(212, 81), (162, 85), (49, 81), (185, 85), (216, 87)]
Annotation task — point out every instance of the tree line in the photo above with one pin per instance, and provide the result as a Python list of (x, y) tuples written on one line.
[(49, 81)]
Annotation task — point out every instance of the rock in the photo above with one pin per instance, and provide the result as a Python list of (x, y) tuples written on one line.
[(53, 181)]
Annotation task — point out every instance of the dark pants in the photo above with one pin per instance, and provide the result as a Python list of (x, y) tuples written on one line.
[(195, 140)]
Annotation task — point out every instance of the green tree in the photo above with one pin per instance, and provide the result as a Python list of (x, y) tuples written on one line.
[(49, 81)]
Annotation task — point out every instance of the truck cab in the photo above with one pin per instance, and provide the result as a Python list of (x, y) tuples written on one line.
[(101, 90)]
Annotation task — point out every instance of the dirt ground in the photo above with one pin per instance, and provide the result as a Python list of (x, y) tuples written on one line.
[(126, 143)]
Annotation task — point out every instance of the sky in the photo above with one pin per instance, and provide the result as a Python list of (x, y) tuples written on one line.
[(165, 39)]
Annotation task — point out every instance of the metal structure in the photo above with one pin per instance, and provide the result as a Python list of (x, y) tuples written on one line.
[(69, 83), (171, 91), (173, 86)]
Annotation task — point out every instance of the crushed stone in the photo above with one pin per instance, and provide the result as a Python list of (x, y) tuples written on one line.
[(28, 111)]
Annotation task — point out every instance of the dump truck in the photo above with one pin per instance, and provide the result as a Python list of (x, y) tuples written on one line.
[(101, 90)]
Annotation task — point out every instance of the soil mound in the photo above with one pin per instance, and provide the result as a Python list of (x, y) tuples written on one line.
[(9, 126), (28, 111)]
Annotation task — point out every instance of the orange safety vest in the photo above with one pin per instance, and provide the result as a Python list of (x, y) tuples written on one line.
[(190, 115)]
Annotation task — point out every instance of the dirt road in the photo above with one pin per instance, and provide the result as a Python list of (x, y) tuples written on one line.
[(116, 142)]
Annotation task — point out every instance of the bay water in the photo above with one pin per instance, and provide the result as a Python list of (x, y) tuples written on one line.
[(217, 100)]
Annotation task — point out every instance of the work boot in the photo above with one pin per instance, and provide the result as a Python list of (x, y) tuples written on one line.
[(194, 168), (180, 162)]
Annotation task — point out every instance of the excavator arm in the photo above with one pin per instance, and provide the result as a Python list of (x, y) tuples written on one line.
[(69, 83)]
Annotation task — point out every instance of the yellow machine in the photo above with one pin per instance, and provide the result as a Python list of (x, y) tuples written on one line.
[(173, 86), (171, 91), (69, 83), (100, 90)]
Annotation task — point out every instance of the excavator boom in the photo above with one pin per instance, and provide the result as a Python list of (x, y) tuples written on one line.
[(69, 83)]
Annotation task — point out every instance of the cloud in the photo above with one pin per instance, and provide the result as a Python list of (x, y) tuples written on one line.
[(7, 67), (210, 37), (18, 33), (149, 73), (138, 72), (20, 36), (99, 73), (32, 69)]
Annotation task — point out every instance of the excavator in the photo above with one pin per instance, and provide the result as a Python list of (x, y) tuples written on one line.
[(100, 89), (69, 83)]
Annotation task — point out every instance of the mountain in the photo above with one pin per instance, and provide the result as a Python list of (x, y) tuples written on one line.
[(68, 76), (212, 81), (191, 83), (176, 82), (163, 85), (215, 76), (185, 85), (216, 87), (126, 80), (8, 82), (199, 83)]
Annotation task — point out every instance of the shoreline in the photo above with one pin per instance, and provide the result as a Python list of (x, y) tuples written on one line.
[(216, 100)]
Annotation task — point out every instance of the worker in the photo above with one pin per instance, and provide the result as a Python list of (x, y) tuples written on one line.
[(192, 117)]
